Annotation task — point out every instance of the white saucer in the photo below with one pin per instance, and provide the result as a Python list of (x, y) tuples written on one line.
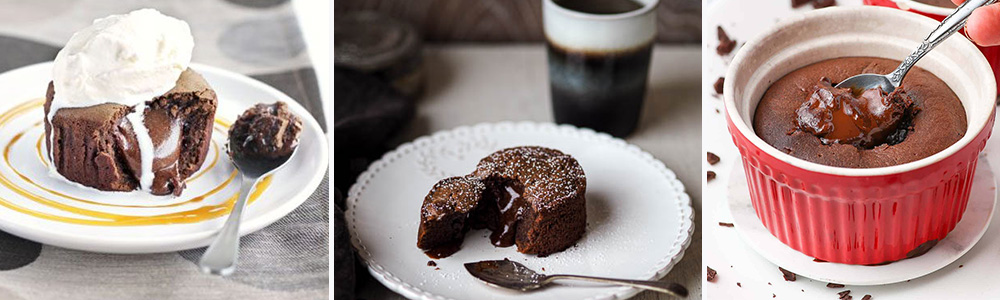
[(639, 218), (965, 235), (24, 88)]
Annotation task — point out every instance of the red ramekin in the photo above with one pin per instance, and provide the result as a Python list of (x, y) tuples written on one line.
[(992, 54), (857, 216)]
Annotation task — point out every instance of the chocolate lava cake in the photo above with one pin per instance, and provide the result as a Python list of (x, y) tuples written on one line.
[(96, 146), (532, 197)]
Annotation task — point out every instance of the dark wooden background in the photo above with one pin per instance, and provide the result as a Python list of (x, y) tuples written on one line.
[(678, 21)]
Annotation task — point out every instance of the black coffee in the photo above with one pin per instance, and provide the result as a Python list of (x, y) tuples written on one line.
[(600, 7), (603, 91)]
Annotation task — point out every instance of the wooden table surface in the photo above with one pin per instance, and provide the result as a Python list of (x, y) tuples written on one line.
[(470, 84)]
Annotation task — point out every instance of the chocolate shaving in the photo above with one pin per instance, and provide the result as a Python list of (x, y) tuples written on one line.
[(710, 274), (824, 3), (867, 297), (789, 276), (431, 263), (844, 294), (834, 285), (711, 175), (712, 158), (719, 84), (739, 285), (724, 224), (800, 3), (819, 260), (726, 45)]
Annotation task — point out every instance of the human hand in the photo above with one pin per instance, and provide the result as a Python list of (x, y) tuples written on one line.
[(983, 26)]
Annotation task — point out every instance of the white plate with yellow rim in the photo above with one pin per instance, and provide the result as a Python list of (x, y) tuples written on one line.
[(42, 208)]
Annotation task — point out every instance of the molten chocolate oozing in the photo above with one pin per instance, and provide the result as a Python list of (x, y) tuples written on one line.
[(444, 250), (510, 206), (864, 119)]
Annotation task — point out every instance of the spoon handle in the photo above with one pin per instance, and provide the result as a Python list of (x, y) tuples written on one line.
[(948, 26), (670, 288), (220, 257)]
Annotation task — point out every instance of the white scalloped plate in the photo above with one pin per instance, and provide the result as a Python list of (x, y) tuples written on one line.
[(639, 218)]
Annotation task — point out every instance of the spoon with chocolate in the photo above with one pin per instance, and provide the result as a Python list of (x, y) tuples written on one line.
[(513, 275), (890, 82), (260, 141)]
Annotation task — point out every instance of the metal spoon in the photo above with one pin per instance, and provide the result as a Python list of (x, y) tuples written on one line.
[(513, 275), (890, 82), (220, 257)]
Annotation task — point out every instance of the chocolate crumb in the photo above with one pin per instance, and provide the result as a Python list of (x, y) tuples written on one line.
[(867, 297), (774, 296), (543, 269), (800, 3), (819, 260), (824, 3), (726, 45), (438, 268), (717, 111), (834, 285), (711, 175), (710, 274), (768, 283), (712, 158), (724, 224), (789, 276), (960, 266), (739, 285), (719, 84), (431, 263)]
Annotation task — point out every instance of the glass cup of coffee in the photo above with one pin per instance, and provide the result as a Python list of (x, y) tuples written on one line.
[(598, 53)]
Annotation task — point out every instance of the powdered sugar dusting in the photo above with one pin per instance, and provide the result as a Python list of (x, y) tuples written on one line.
[(548, 175)]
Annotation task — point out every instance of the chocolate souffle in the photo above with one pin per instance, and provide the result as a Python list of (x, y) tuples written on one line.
[(802, 114), (532, 197)]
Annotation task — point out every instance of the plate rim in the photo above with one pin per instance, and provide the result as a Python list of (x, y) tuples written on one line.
[(185, 241), (659, 269)]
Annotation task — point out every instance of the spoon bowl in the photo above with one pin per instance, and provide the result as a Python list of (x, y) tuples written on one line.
[(863, 82)]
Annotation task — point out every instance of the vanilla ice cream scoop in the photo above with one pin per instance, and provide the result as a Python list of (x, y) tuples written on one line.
[(126, 59)]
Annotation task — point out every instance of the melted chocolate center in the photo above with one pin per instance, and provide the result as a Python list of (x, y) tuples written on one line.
[(863, 118), (511, 205)]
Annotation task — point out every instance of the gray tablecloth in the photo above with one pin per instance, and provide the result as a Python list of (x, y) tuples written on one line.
[(287, 260)]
